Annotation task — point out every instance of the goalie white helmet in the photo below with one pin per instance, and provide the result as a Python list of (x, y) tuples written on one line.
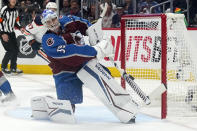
[(50, 20), (52, 6)]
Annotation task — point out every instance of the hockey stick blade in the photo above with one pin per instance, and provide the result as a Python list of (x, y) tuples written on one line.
[(129, 79), (157, 92)]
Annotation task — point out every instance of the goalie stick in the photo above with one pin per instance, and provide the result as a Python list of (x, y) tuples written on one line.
[(129, 79), (96, 34)]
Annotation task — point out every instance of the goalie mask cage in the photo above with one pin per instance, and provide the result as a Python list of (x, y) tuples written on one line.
[(156, 49)]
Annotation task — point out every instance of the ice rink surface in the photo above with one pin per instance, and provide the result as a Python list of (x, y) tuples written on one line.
[(91, 115)]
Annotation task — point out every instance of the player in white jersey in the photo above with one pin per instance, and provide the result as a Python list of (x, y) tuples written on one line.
[(36, 28), (73, 30), (35, 31)]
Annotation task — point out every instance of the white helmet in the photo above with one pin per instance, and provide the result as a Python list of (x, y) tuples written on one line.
[(52, 5), (48, 15)]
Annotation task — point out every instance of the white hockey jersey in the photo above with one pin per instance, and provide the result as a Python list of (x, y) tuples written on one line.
[(36, 29)]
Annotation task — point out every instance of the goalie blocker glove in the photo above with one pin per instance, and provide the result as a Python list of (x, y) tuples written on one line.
[(104, 48)]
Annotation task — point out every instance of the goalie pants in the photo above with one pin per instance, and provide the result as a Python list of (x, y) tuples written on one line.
[(11, 51), (69, 87)]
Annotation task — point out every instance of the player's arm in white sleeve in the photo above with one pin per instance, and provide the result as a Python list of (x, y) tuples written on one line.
[(34, 26), (35, 31)]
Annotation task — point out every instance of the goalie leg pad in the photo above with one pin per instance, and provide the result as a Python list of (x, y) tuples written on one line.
[(46, 107), (60, 110), (112, 95), (39, 108)]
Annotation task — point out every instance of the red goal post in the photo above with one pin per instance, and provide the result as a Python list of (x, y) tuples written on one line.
[(151, 49)]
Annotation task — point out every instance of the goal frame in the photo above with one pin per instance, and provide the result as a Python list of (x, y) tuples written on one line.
[(163, 18)]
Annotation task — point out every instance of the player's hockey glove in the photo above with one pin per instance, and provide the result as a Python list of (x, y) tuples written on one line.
[(78, 37), (73, 38), (35, 45)]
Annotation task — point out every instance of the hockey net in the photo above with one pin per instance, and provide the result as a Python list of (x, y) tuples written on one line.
[(157, 49)]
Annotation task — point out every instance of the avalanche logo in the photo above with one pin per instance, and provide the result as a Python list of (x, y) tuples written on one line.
[(50, 41)]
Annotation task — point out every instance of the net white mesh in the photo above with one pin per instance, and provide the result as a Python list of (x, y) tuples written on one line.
[(143, 60)]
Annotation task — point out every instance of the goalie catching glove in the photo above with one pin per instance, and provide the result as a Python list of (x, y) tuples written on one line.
[(104, 48)]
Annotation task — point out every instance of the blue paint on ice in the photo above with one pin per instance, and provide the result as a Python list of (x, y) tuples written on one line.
[(91, 114)]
